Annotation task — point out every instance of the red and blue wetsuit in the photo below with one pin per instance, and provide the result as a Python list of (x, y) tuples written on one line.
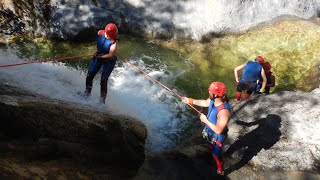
[(213, 138), (251, 73), (103, 47)]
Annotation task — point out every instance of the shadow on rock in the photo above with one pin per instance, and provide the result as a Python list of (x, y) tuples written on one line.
[(263, 137)]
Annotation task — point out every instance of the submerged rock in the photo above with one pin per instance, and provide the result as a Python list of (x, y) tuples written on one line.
[(42, 137)]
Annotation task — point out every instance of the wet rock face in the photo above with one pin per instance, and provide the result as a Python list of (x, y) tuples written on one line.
[(35, 129), (79, 20), (32, 18)]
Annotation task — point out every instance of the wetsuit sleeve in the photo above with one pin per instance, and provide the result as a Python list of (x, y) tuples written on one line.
[(100, 32)]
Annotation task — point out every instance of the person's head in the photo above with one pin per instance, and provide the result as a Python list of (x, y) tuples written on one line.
[(259, 59), (217, 90), (266, 66), (111, 30)]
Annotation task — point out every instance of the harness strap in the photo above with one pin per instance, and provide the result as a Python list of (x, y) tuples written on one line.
[(212, 140), (217, 142), (222, 106)]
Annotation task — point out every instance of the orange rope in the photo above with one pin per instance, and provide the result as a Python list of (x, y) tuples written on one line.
[(143, 72), (49, 60)]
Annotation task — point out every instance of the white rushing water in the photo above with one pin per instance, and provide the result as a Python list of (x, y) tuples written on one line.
[(129, 93)]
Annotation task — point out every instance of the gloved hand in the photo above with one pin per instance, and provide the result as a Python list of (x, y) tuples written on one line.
[(187, 100), (262, 90), (237, 83)]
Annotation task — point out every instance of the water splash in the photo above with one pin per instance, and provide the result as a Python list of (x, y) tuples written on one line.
[(129, 93)]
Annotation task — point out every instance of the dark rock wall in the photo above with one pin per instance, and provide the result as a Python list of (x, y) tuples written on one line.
[(34, 128), (79, 20)]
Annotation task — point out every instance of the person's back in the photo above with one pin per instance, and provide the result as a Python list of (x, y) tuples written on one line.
[(105, 56), (103, 44), (251, 71), (250, 75)]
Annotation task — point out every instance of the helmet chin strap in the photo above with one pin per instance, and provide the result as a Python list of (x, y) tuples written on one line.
[(213, 96)]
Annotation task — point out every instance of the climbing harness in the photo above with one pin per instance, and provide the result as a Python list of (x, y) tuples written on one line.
[(210, 139)]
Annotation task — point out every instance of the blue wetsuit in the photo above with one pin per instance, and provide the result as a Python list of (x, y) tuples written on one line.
[(216, 140), (251, 73), (103, 47)]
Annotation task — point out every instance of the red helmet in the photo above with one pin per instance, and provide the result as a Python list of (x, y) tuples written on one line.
[(260, 59), (111, 30), (217, 88), (266, 66)]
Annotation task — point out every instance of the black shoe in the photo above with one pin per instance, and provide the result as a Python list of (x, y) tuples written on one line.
[(102, 100), (84, 94), (220, 173)]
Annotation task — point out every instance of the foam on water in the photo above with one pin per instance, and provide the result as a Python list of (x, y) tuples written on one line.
[(129, 93)]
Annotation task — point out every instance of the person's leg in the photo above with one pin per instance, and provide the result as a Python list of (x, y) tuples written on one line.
[(238, 95), (250, 87), (209, 150), (239, 90), (216, 154), (107, 69), (93, 69), (246, 95)]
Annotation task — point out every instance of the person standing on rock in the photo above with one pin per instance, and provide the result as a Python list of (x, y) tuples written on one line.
[(252, 71), (271, 80), (105, 56), (216, 121)]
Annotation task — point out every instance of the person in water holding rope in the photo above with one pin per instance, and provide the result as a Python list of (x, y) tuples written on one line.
[(105, 56), (252, 71), (216, 121), (271, 80)]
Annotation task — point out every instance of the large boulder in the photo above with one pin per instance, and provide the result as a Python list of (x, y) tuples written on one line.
[(36, 131), (79, 20)]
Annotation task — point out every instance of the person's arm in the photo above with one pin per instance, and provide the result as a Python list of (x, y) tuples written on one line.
[(222, 121), (198, 102), (112, 51), (264, 80), (236, 69)]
